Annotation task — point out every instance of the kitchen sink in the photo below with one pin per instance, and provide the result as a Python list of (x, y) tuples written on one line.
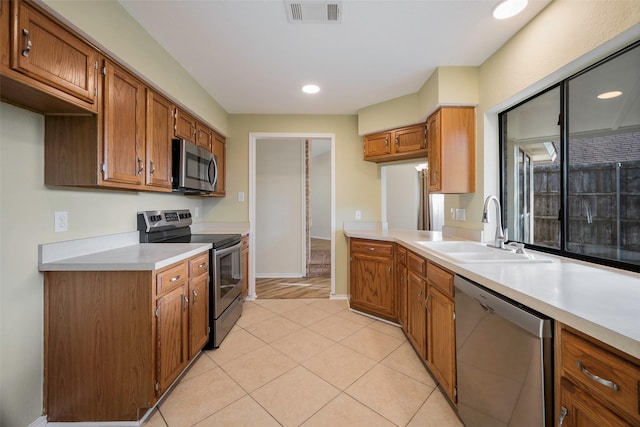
[(465, 252)]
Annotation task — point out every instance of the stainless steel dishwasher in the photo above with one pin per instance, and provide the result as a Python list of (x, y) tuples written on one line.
[(504, 360)]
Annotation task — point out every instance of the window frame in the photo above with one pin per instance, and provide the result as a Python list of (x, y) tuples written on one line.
[(563, 85)]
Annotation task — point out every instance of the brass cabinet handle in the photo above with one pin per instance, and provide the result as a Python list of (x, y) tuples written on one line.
[(195, 296), (607, 383), (386, 143), (372, 249), (153, 167), (27, 49), (173, 279), (397, 142), (140, 165), (202, 265)]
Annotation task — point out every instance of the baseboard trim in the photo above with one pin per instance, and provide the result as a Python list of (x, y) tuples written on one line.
[(338, 296), (279, 276)]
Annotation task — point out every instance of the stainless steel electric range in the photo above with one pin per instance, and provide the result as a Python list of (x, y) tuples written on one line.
[(225, 271)]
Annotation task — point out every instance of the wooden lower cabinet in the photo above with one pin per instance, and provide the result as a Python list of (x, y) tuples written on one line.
[(598, 385), (116, 340), (417, 327), (171, 342), (441, 332), (372, 288), (402, 287)]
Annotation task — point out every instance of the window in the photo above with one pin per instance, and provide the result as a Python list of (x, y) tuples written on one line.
[(570, 165)]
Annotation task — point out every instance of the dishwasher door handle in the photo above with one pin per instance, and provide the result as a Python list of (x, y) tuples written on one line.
[(485, 307)]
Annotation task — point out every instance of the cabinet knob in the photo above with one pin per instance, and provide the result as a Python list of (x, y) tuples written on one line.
[(27, 49)]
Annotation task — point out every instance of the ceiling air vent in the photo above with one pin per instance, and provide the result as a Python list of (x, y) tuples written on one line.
[(314, 12)]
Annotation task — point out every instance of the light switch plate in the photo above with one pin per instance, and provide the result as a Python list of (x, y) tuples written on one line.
[(461, 214)]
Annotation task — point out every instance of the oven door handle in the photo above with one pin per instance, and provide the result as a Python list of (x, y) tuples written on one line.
[(224, 251)]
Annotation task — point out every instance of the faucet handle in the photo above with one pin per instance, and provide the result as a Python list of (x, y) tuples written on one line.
[(519, 247)]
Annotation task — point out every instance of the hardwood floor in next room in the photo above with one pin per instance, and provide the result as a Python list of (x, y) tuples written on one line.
[(316, 285)]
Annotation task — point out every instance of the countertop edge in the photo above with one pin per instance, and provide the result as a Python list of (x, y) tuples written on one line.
[(122, 259), (605, 334)]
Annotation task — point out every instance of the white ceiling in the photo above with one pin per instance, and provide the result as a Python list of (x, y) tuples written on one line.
[(251, 60)]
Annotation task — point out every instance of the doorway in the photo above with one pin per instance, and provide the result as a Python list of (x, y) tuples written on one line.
[(290, 230)]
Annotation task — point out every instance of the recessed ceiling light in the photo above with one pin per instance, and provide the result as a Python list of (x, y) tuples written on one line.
[(310, 89), (508, 8), (609, 95)]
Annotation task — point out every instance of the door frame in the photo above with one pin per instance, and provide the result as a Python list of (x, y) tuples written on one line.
[(254, 138)]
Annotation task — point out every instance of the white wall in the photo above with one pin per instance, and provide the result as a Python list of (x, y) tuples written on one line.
[(279, 208), (321, 189), (400, 195)]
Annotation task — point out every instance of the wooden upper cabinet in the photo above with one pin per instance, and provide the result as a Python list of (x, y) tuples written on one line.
[(49, 53), (185, 126), (124, 128), (377, 145), (451, 150), (159, 122), (204, 137), (219, 149), (397, 144)]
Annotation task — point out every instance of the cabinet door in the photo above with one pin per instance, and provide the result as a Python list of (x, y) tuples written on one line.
[(124, 130), (434, 152), (373, 289), (219, 149), (185, 126), (441, 338), (159, 133), (410, 139), (417, 330), (204, 137), (171, 335), (50, 54), (401, 283), (198, 313), (578, 409), (377, 145)]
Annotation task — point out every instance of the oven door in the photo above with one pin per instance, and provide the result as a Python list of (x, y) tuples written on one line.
[(228, 278)]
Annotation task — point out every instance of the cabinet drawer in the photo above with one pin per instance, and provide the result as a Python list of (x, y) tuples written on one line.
[(199, 265), (440, 278), (172, 277), (401, 255), (601, 373), (416, 264), (371, 247)]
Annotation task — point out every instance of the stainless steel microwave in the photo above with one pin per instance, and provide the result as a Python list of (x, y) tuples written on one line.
[(194, 170)]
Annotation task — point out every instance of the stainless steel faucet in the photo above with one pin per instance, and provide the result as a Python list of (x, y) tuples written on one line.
[(500, 237)]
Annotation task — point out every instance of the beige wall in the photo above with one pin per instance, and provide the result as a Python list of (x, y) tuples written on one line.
[(358, 182)]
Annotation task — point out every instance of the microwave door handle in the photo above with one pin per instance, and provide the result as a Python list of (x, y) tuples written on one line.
[(213, 172)]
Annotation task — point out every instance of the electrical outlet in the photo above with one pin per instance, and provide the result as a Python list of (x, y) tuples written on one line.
[(196, 212), (60, 221), (358, 215), (241, 196)]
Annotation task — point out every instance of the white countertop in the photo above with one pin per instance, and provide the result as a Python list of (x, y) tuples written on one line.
[(114, 252), (599, 301)]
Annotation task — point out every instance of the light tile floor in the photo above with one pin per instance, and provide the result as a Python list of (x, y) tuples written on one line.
[(306, 362)]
